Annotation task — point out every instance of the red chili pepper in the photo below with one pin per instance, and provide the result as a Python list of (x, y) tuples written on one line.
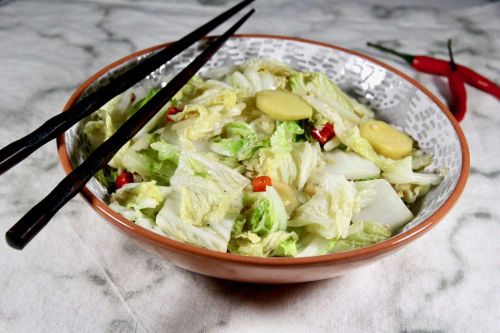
[(420, 62), (124, 178), (171, 111), (458, 105), (324, 134), (478, 81), (260, 183), (441, 67)]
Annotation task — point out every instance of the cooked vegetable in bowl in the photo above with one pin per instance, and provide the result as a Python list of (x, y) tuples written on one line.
[(339, 143), (260, 159)]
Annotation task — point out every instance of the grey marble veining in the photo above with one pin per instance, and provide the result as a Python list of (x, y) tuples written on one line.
[(80, 275)]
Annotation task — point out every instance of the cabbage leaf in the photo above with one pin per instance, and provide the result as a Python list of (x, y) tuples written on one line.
[(330, 210), (276, 244), (265, 212), (209, 190), (214, 236), (149, 156), (360, 234), (140, 202), (239, 141)]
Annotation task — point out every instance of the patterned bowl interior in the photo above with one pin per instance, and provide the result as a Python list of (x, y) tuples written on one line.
[(393, 98)]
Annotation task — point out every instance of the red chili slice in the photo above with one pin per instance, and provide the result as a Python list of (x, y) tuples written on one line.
[(260, 183), (171, 111), (124, 178), (324, 134)]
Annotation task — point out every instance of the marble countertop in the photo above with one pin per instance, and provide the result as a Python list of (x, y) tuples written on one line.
[(81, 275)]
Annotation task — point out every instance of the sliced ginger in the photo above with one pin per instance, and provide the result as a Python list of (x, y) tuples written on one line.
[(386, 140), (282, 105)]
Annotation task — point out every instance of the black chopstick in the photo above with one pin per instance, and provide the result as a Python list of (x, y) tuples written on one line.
[(18, 150), (30, 224)]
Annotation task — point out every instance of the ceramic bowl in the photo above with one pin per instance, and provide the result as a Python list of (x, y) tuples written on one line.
[(394, 96)]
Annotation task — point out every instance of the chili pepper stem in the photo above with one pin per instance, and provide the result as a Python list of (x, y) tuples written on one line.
[(458, 104), (405, 56), (452, 61)]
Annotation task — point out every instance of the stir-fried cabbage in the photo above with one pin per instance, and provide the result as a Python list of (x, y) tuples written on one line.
[(214, 236), (266, 213), (140, 202), (360, 234), (286, 160), (239, 141), (149, 156), (319, 86), (394, 171), (219, 173), (209, 190), (279, 243), (329, 212), (350, 165), (383, 204)]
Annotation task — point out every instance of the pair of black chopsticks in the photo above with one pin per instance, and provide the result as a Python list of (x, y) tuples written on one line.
[(38, 217)]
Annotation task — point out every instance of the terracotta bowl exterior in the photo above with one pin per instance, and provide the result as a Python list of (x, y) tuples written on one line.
[(293, 270)]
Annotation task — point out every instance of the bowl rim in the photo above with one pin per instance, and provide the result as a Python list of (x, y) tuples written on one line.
[(354, 255)]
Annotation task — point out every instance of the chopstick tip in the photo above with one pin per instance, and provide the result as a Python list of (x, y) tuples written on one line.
[(13, 241)]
